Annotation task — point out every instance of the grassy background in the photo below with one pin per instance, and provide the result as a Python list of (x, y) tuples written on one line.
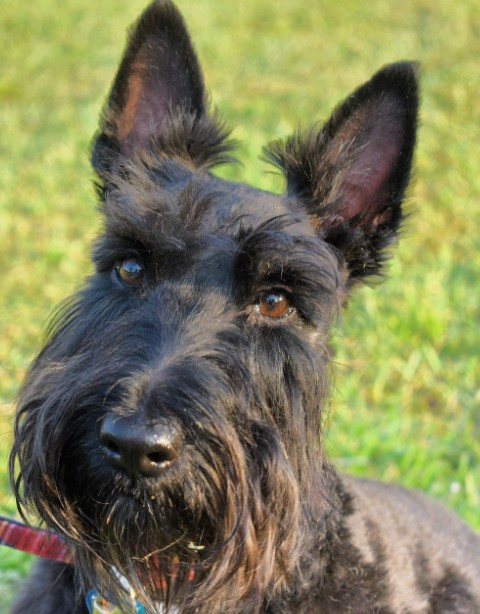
[(407, 377)]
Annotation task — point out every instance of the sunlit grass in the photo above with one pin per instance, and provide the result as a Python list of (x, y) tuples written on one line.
[(407, 397)]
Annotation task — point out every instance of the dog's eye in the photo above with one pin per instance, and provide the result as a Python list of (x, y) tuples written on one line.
[(130, 272), (274, 305)]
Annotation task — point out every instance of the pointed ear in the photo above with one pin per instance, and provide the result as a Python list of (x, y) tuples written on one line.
[(158, 100), (352, 174)]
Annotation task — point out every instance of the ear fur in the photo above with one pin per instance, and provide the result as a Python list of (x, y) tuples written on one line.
[(352, 174), (158, 101)]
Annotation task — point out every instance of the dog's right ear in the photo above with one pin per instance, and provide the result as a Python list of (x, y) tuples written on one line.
[(352, 174), (158, 100)]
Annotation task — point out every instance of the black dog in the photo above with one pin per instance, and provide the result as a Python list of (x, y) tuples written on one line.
[(171, 429)]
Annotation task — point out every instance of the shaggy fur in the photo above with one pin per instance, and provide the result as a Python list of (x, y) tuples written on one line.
[(172, 425)]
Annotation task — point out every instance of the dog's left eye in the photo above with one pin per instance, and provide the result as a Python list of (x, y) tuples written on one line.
[(130, 273), (274, 305)]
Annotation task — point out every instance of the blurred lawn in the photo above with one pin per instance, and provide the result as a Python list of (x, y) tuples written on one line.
[(407, 377)]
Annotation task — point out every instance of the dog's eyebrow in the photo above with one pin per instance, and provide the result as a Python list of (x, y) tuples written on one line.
[(272, 253), (112, 247), (150, 221)]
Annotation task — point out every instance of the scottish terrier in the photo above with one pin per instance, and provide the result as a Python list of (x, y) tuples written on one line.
[(171, 428)]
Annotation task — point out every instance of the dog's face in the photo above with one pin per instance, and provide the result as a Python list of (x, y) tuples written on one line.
[(173, 420)]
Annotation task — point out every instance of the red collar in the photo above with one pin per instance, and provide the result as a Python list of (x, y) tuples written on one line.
[(33, 541)]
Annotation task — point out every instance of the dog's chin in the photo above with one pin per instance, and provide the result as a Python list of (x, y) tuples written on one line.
[(150, 545)]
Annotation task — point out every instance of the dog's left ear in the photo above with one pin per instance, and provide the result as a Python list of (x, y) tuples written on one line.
[(352, 174), (158, 99)]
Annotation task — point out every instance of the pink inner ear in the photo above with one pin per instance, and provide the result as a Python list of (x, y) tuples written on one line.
[(144, 111), (126, 119), (374, 141), (366, 188), (159, 80)]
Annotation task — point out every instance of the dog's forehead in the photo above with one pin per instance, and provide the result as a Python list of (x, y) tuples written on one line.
[(233, 206), (190, 206)]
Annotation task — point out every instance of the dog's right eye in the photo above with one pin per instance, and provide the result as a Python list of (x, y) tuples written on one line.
[(274, 305), (130, 273)]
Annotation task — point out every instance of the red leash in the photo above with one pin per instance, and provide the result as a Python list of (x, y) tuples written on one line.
[(33, 541)]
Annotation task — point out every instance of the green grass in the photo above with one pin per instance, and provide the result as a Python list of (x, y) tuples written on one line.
[(407, 364)]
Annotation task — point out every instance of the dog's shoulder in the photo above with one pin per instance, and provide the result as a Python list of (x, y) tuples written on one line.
[(428, 554)]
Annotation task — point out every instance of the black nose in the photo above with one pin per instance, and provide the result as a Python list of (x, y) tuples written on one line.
[(140, 447)]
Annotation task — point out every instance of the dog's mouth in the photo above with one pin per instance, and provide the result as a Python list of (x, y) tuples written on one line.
[(154, 530), (158, 574)]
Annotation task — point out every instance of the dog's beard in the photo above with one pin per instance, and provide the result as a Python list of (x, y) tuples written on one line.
[(150, 542), (216, 531), (162, 535)]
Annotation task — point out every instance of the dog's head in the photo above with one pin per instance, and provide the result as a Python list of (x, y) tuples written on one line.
[(172, 423)]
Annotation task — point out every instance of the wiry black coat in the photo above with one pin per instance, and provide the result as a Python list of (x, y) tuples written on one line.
[(172, 425)]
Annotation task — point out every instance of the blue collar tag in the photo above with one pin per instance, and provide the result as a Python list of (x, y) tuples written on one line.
[(96, 604)]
